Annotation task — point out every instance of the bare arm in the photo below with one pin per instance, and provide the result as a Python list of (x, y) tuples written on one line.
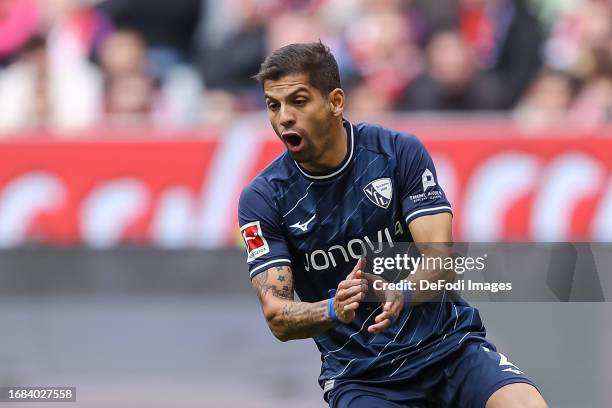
[(289, 319), (430, 234), (432, 228)]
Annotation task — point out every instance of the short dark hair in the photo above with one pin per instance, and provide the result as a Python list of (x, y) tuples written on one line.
[(314, 59)]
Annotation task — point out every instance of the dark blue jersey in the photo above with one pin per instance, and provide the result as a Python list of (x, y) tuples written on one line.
[(319, 224)]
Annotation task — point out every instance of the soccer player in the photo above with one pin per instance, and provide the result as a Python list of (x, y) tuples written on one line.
[(305, 219)]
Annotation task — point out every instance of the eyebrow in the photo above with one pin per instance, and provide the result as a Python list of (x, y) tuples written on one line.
[(301, 88)]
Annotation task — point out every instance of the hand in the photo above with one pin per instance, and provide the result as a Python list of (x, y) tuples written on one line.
[(350, 293), (392, 303)]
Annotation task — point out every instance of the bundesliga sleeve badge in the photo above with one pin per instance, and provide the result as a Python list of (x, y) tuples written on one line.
[(256, 244)]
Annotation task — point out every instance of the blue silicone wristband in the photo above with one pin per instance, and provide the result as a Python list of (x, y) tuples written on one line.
[(331, 312)]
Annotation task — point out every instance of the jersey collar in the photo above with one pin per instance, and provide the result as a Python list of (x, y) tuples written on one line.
[(350, 151)]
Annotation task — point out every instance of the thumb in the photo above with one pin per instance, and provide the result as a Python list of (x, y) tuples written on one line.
[(358, 266)]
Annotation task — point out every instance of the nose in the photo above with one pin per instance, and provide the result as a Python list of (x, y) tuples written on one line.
[(287, 118)]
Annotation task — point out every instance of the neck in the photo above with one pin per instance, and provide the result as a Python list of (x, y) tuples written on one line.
[(333, 154)]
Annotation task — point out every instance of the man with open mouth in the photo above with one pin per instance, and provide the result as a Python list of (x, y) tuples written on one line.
[(307, 220)]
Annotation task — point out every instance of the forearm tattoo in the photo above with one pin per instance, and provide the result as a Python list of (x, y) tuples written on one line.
[(301, 320), (294, 319)]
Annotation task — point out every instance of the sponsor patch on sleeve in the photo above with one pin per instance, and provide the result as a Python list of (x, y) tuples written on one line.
[(428, 180), (256, 244), (423, 197)]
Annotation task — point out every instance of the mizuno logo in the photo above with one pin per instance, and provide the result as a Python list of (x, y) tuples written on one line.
[(303, 226), (503, 362)]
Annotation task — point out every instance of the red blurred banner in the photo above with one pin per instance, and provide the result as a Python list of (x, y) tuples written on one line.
[(184, 193)]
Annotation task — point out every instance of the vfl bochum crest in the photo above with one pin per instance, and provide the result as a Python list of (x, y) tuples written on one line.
[(379, 192)]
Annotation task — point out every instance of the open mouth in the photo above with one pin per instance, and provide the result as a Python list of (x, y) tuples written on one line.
[(293, 140)]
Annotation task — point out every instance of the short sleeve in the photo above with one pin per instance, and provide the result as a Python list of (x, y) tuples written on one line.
[(260, 228), (421, 194)]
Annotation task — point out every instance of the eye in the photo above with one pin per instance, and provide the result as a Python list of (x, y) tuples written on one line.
[(300, 101), (272, 106)]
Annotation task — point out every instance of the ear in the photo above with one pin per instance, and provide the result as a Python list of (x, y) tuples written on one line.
[(336, 102)]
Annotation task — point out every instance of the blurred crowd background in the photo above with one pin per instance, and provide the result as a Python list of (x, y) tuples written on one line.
[(73, 64), (119, 259)]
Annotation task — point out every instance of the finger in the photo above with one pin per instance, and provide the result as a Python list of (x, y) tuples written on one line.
[(380, 317), (345, 284), (379, 327), (387, 306), (371, 277), (382, 322), (358, 266), (352, 282), (357, 297), (351, 306), (396, 309), (344, 294), (353, 290), (351, 275)]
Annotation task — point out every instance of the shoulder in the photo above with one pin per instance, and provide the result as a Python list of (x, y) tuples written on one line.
[(271, 179), (387, 140), (257, 201), (269, 187)]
